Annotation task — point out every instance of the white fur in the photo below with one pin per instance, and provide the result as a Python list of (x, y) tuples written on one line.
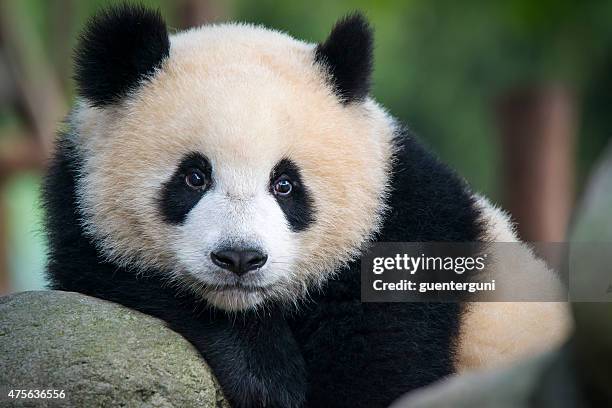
[(237, 212), (245, 97), (496, 333)]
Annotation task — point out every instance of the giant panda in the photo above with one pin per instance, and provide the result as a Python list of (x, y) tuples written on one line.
[(226, 179)]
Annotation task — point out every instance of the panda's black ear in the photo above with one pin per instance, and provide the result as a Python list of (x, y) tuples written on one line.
[(119, 47), (347, 54)]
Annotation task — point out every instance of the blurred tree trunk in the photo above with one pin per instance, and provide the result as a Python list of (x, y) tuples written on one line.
[(537, 127), (62, 20), (4, 278), (35, 94), (193, 13)]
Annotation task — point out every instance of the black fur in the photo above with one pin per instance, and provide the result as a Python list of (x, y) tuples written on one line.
[(336, 351), (347, 55), (298, 207), (176, 197), (118, 49), (254, 356), (368, 354)]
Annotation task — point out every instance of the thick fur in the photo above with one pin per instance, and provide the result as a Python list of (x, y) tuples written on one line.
[(120, 47), (253, 355), (367, 354), (196, 103), (497, 333), (247, 98), (347, 54), (342, 351)]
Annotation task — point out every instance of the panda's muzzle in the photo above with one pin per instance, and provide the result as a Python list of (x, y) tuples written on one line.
[(239, 261)]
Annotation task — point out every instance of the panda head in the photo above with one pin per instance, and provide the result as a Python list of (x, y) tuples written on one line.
[(240, 163)]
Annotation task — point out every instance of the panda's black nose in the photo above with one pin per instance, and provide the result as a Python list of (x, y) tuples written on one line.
[(239, 261)]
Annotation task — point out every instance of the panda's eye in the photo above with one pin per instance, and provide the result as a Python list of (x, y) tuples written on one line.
[(195, 179), (283, 187)]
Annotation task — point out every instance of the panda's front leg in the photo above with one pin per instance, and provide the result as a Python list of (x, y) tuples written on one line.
[(255, 358)]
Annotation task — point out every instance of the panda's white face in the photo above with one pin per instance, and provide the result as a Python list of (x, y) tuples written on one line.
[(235, 170), (236, 242)]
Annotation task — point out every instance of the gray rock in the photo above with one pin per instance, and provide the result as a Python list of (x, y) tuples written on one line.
[(547, 380), (101, 354)]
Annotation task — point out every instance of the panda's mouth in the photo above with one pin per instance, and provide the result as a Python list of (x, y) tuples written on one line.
[(238, 296), (241, 287)]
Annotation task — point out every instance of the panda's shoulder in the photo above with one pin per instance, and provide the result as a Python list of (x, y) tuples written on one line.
[(495, 333)]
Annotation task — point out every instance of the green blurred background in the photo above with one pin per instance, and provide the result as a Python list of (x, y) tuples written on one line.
[(485, 84)]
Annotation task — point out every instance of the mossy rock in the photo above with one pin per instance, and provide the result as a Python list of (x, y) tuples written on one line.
[(100, 353)]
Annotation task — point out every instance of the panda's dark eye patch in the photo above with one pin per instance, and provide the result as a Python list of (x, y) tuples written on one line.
[(191, 179), (292, 195)]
